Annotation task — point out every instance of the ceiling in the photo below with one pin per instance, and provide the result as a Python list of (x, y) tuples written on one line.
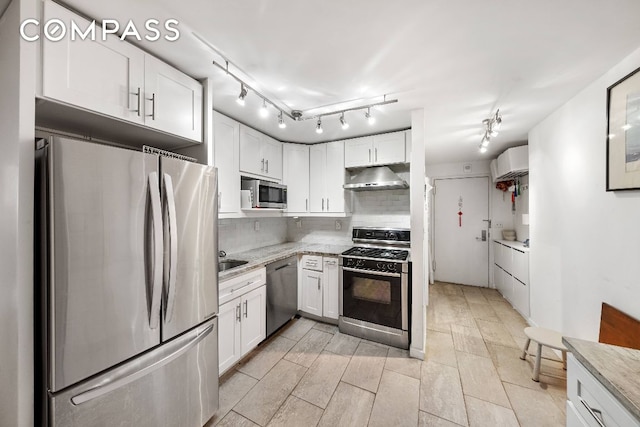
[(460, 61)]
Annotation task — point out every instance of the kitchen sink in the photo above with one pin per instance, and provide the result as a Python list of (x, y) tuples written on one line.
[(228, 264)]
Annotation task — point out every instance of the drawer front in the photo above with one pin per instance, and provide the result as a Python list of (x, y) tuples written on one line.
[(240, 285), (312, 262), (573, 418), (592, 401)]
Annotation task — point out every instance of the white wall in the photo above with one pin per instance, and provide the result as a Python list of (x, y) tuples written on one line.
[(585, 242), (17, 121), (237, 235)]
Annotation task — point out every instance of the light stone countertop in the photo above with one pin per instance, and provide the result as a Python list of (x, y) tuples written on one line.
[(262, 256), (617, 368)]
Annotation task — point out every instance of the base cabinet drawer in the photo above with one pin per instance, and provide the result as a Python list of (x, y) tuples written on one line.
[(592, 402), (573, 418)]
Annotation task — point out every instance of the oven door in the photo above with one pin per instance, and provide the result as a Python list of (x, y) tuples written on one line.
[(375, 297)]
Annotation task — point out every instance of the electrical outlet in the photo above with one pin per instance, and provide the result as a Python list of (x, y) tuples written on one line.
[(338, 225), (497, 225), (256, 226)]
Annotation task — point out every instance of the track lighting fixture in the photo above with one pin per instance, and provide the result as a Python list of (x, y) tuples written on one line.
[(296, 115), (370, 119), (281, 123), (491, 126), (343, 122), (264, 112), (243, 94)]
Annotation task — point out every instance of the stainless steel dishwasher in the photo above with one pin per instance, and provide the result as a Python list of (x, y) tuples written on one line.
[(282, 292)]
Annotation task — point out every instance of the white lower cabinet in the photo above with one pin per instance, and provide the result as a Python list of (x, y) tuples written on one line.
[(319, 288), (242, 318), (589, 403), (511, 274)]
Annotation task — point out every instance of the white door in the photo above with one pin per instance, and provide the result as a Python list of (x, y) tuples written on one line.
[(173, 100), (296, 177), (461, 254), (358, 152), (226, 142), (334, 177), (388, 148), (317, 177), (331, 289), (229, 334), (251, 159), (254, 319), (312, 292)]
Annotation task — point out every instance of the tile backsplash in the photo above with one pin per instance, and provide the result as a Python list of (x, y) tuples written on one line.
[(237, 235)]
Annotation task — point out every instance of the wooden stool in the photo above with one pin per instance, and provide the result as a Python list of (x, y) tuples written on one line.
[(542, 336)]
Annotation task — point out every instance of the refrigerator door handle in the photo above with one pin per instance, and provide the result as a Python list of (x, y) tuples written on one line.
[(129, 373), (173, 247), (156, 217)]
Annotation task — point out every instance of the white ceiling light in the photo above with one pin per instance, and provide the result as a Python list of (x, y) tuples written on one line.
[(343, 122), (319, 126), (281, 123), (370, 119), (264, 112), (243, 94), (491, 126), (483, 149)]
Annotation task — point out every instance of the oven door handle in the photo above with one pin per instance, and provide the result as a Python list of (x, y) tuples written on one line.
[(373, 273)]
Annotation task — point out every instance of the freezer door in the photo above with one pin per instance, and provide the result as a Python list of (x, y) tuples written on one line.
[(190, 282), (105, 252), (175, 384)]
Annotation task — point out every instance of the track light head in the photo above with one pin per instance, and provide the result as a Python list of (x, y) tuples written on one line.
[(370, 119), (483, 149), (497, 120), (343, 122), (243, 95), (485, 141), (319, 126), (281, 123), (264, 112)]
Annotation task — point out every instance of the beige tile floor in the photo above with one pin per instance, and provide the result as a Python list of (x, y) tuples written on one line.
[(309, 374)]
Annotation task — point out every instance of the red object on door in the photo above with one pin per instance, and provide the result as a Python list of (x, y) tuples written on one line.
[(459, 218)]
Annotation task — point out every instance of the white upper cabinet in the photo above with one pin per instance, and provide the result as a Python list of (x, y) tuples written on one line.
[(295, 175), (116, 79), (173, 100), (226, 146), (260, 154), (383, 149), (358, 152), (102, 76), (326, 178)]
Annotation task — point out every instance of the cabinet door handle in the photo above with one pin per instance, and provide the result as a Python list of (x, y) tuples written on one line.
[(323, 204), (262, 167), (266, 162), (219, 200), (369, 155), (376, 154), (306, 204), (238, 318), (594, 412), (318, 282), (246, 308), (153, 106), (327, 203), (138, 95)]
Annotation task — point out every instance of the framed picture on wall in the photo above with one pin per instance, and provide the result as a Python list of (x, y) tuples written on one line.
[(623, 133)]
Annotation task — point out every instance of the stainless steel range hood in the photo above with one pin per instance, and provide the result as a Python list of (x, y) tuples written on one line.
[(376, 178)]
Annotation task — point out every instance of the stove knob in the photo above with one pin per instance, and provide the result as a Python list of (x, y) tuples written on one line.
[(349, 262), (380, 266), (360, 263), (391, 267), (392, 236)]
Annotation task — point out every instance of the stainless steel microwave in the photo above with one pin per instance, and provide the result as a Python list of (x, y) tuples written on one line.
[(266, 194)]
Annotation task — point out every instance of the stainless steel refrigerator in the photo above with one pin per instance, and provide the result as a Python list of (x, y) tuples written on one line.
[(129, 287)]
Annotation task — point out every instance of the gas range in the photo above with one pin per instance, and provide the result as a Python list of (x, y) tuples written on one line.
[(383, 249), (375, 286)]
